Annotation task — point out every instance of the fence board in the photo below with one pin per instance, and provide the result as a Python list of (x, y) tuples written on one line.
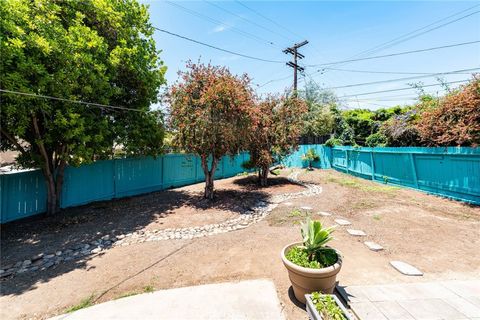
[(450, 172)]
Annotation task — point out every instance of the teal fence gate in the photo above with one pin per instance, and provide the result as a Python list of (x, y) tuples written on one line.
[(450, 172)]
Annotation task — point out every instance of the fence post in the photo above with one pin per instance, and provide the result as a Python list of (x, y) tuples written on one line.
[(414, 170), (373, 165), (346, 159), (115, 178)]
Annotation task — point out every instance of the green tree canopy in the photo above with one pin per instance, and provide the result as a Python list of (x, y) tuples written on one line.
[(318, 120), (95, 51)]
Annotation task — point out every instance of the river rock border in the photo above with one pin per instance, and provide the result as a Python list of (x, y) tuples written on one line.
[(250, 216)]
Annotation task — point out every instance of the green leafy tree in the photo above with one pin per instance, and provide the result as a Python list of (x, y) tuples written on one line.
[(91, 50), (275, 129), (318, 120), (211, 113)]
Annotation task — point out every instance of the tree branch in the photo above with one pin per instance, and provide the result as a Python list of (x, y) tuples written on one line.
[(13, 140)]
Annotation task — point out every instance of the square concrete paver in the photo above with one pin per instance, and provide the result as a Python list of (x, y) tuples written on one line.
[(342, 222), (415, 301), (356, 233), (406, 268), (431, 309), (393, 311), (373, 246)]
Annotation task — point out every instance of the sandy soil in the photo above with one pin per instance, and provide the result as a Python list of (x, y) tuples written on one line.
[(441, 237)]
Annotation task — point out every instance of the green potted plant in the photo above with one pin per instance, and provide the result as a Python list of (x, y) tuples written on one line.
[(311, 264), (326, 307), (310, 156)]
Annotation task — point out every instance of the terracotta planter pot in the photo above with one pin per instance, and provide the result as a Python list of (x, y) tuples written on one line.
[(308, 280)]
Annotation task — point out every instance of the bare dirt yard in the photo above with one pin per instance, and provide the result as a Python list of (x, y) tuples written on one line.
[(440, 237)]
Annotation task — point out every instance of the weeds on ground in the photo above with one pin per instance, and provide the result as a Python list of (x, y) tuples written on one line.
[(146, 289), (364, 204), (353, 183), (276, 172), (295, 213), (85, 303), (242, 174), (377, 217)]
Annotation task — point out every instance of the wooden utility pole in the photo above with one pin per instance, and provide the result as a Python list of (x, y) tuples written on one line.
[(293, 50)]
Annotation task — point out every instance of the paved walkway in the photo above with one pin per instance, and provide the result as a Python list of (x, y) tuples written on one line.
[(458, 300), (254, 299)]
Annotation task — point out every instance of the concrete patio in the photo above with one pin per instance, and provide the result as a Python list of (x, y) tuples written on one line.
[(459, 300), (253, 299)]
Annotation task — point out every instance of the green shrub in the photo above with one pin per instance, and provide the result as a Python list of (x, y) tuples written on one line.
[(332, 142), (376, 140)]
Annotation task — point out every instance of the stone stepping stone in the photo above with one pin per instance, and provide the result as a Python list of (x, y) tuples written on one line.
[(406, 268), (325, 214), (373, 246), (288, 204), (306, 208), (356, 233), (342, 222)]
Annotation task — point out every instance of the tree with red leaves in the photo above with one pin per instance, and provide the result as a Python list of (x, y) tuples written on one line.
[(276, 127), (210, 112), (456, 119)]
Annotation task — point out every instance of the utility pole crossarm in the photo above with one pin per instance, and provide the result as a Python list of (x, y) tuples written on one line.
[(293, 50)]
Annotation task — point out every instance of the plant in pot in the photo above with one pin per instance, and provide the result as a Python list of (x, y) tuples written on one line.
[(326, 307), (311, 264), (310, 156)]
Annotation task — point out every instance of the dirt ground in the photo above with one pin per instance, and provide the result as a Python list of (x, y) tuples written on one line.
[(440, 237)]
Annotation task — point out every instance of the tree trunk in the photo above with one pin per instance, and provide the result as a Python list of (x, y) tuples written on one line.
[(54, 185), (264, 176), (51, 192), (209, 182)]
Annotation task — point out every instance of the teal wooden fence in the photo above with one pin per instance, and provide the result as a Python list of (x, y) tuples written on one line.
[(24, 193), (450, 172)]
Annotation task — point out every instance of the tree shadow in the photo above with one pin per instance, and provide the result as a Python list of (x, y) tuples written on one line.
[(251, 182), (73, 228)]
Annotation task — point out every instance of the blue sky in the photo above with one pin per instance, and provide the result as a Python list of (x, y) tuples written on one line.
[(336, 31)]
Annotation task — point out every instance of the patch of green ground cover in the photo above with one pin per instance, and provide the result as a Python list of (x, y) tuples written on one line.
[(295, 213), (146, 289), (354, 183), (299, 257), (377, 217), (85, 303), (327, 307)]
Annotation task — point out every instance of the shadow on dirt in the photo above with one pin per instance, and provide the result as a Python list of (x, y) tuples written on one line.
[(251, 182), (78, 226)]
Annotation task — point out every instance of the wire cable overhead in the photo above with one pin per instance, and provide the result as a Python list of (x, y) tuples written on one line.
[(396, 54), (215, 47), (88, 104)]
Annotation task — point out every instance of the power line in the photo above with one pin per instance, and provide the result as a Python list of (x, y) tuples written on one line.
[(89, 104), (274, 80), (215, 47), (268, 19), (379, 72), (247, 20), (401, 79), (413, 34), (401, 89), (214, 21), (396, 54)]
